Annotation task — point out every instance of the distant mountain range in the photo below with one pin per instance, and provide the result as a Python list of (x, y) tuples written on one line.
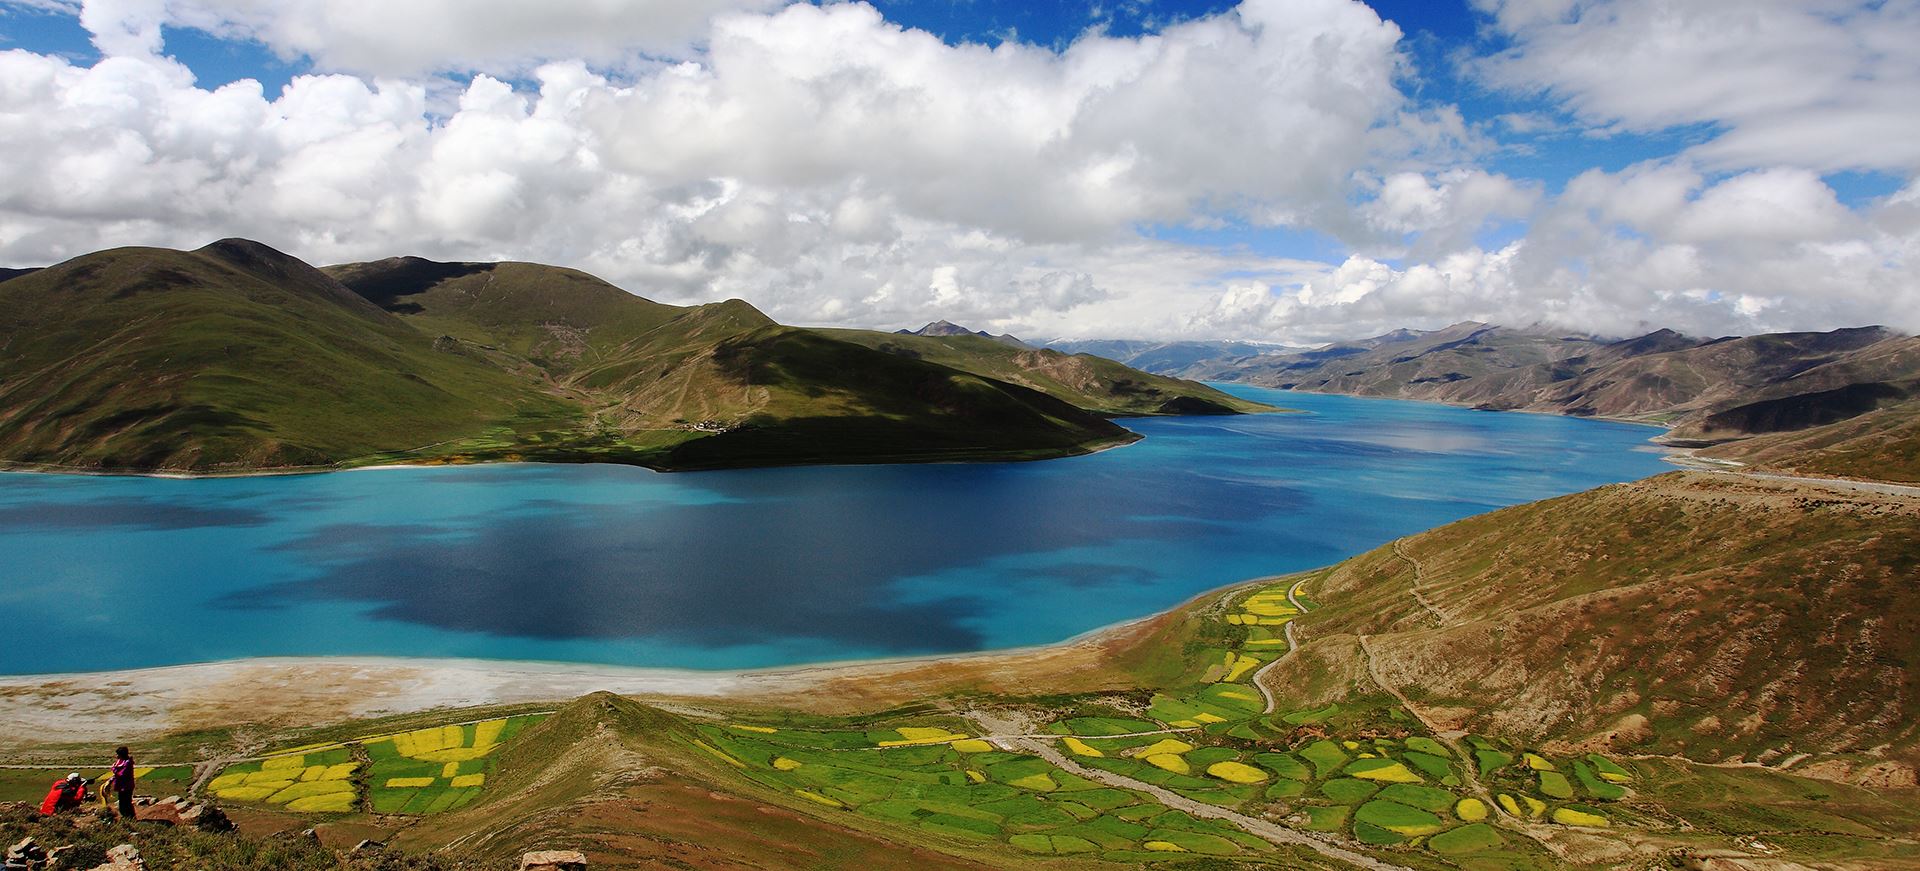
[(1167, 357), (942, 329), (1723, 392), (237, 357)]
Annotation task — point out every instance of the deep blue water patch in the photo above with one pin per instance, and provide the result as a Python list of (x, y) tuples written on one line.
[(737, 569)]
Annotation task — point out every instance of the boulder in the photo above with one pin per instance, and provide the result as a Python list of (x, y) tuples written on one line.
[(26, 854), (554, 860), (176, 811), (125, 857)]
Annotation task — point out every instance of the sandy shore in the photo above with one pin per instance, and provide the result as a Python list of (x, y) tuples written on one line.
[(280, 692)]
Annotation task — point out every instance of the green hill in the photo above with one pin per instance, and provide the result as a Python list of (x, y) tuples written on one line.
[(719, 384), (237, 358), (233, 356)]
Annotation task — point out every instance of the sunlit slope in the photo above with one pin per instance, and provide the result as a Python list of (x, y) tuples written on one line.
[(721, 384), (231, 356), (1883, 444), (239, 358), (627, 783), (1090, 382), (1699, 614)]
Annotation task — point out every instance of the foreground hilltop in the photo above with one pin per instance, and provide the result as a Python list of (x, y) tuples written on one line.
[(237, 357)]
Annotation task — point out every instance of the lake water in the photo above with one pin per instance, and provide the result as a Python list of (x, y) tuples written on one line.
[(620, 565)]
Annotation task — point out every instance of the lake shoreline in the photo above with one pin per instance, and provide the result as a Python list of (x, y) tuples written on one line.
[(355, 577), (308, 690), (16, 468)]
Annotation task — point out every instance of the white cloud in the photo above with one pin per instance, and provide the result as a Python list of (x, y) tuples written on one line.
[(1442, 213), (835, 168), (822, 162), (1625, 253), (1821, 84), (413, 37)]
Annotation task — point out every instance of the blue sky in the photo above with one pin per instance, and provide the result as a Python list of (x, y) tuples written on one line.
[(1693, 199)]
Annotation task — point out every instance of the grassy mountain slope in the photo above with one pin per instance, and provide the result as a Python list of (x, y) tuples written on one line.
[(231, 356), (719, 384), (626, 781), (1883, 444), (1093, 383), (1706, 615), (237, 357)]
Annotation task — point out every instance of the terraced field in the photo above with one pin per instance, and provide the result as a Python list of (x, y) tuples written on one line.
[(958, 786), (419, 772), (436, 769), (1211, 740), (320, 781)]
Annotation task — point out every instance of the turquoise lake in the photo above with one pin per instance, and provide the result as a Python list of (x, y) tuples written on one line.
[(764, 567)]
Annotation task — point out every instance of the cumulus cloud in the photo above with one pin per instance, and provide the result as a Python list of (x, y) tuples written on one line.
[(1624, 253), (835, 168), (1822, 84), (411, 37), (823, 162)]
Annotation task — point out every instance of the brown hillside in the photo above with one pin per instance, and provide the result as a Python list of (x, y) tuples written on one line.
[(1699, 614)]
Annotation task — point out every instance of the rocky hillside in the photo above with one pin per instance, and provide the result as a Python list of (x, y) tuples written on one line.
[(1708, 391), (1706, 615)]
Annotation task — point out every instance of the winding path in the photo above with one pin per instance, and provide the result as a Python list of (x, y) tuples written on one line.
[(1420, 579), (1884, 488), (1255, 826), (1259, 677)]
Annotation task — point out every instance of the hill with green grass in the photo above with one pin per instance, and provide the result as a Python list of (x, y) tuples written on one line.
[(236, 358)]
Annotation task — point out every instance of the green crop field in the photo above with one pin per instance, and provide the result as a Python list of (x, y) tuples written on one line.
[(424, 771), (955, 786)]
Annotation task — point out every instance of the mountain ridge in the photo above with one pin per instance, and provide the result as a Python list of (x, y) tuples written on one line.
[(236, 357)]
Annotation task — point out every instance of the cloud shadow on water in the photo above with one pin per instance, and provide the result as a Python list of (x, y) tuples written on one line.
[(140, 514), (789, 554)]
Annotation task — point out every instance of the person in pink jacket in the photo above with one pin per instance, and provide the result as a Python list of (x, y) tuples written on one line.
[(122, 780)]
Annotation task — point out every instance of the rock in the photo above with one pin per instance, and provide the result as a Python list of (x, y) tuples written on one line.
[(554, 860), (206, 818), (26, 854), (125, 857), (176, 811), (368, 845)]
